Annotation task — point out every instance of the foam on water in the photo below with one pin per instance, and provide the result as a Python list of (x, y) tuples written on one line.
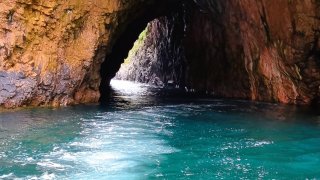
[(156, 138)]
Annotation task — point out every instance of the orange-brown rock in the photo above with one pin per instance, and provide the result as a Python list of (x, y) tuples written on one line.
[(56, 52), (266, 50), (261, 49), (51, 50)]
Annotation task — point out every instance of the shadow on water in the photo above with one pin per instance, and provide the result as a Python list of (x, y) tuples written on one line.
[(124, 95), (144, 131)]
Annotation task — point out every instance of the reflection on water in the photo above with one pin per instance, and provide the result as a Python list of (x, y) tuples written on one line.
[(144, 132)]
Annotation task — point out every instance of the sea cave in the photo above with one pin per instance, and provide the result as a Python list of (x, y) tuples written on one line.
[(159, 89)]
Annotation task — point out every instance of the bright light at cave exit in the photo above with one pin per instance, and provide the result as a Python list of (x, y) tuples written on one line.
[(124, 69)]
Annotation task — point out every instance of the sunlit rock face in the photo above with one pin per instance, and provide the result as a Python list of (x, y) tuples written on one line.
[(51, 50), (56, 52), (266, 50)]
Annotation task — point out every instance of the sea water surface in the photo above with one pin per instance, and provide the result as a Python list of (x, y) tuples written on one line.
[(143, 134)]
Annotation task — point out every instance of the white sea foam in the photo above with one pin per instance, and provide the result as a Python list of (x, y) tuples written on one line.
[(49, 164), (7, 176)]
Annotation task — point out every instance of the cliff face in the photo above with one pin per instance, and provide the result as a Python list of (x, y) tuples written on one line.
[(263, 50), (266, 50), (51, 50), (56, 52)]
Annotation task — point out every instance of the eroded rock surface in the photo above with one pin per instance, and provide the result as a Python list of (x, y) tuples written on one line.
[(59, 46), (15, 88), (264, 49), (52, 51), (267, 50)]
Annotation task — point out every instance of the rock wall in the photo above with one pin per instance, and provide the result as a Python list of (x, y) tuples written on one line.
[(267, 50), (51, 50), (262, 50), (56, 52)]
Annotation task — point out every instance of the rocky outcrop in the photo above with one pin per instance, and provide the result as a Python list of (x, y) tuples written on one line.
[(265, 50), (56, 52), (15, 88), (51, 50)]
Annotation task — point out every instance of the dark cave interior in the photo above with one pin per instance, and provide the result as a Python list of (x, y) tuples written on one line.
[(128, 36)]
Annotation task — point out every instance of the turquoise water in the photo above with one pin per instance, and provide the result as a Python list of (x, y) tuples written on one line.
[(143, 136)]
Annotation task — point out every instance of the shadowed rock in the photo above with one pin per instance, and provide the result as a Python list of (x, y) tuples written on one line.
[(67, 51)]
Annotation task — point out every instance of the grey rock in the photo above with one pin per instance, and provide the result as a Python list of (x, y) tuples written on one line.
[(10, 88), (15, 88), (3, 74)]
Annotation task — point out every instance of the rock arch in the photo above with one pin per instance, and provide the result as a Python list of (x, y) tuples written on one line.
[(51, 52), (127, 38)]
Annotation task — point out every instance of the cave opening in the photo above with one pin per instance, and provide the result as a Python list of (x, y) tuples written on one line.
[(126, 70), (131, 38)]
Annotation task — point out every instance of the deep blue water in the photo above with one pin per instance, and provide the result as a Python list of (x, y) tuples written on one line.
[(142, 136)]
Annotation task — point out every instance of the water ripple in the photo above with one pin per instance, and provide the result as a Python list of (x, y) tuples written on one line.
[(142, 137)]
